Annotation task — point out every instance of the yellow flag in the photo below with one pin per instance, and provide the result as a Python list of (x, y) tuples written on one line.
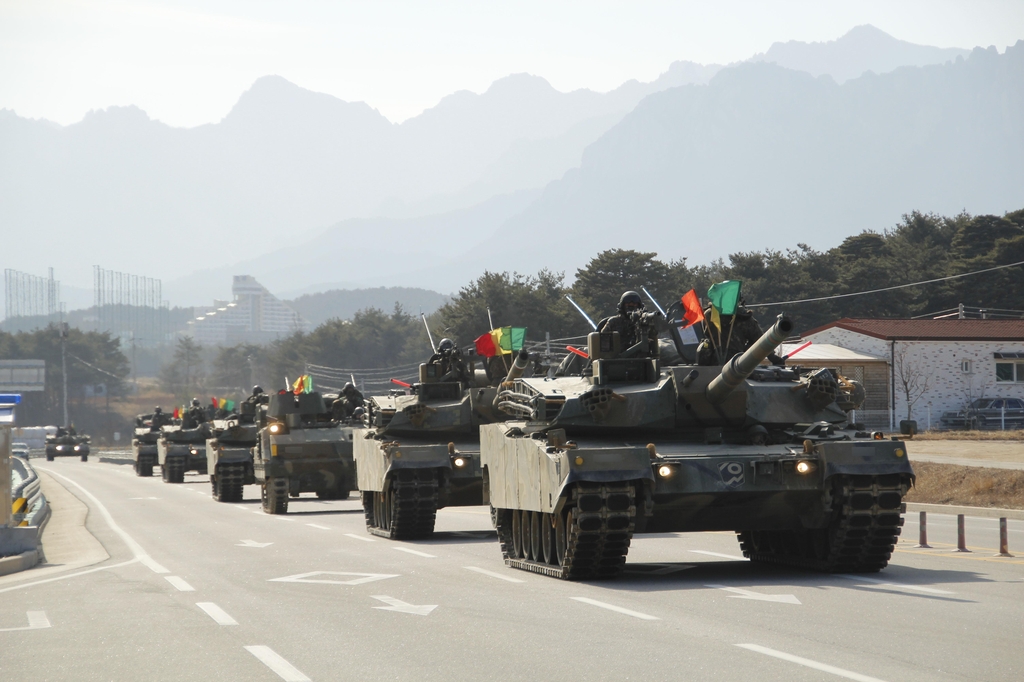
[(716, 320)]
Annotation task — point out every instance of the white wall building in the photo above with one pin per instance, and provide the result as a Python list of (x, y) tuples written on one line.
[(254, 316), (951, 361)]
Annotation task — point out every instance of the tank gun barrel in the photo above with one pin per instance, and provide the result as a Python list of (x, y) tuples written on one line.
[(518, 367), (741, 366)]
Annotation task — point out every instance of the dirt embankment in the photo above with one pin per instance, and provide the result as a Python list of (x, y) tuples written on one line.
[(967, 486)]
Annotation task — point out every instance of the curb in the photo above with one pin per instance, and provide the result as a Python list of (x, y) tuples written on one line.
[(19, 562), (983, 512)]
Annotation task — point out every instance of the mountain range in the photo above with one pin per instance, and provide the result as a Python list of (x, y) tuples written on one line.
[(307, 192)]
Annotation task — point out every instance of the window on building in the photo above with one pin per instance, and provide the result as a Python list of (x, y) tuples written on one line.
[(965, 366), (1010, 371)]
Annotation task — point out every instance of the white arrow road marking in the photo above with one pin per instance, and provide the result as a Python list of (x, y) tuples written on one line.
[(307, 578), (415, 551), (253, 543), (901, 586), (757, 596), (179, 583), (358, 537), (37, 620), (718, 554), (809, 663), (499, 576), (270, 658), (135, 547), (402, 607), (317, 525), (617, 609), (217, 613)]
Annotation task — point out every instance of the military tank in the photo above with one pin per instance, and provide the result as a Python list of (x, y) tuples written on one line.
[(300, 449), (229, 456), (181, 450), (145, 453), (634, 447), (67, 443), (421, 452)]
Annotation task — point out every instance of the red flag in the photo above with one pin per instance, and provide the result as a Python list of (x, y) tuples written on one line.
[(485, 345), (214, 401), (691, 307), (177, 414)]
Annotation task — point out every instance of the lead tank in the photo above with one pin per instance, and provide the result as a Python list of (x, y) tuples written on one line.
[(229, 457), (422, 451), (634, 447)]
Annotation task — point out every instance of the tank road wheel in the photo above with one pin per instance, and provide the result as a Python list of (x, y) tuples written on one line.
[(526, 521), (274, 495), (535, 538), (547, 538), (865, 525), (561, 539), (517, 534)]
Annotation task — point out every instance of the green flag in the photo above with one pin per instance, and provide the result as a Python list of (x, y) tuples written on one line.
[(725, 295)]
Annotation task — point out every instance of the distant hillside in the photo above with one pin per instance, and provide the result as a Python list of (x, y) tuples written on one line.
[(864, 48), (343, 304)]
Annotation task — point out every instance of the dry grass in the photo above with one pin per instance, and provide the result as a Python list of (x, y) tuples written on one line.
[(967, 486), (1012, 436)]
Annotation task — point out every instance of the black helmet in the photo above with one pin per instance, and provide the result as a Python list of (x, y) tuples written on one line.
[(256, 390), (358, 413), (630, 301), (446, 346), (157, 410), (348, 388), (195, 402)]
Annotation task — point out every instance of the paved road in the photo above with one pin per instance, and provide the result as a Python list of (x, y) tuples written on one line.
[(193, 589)]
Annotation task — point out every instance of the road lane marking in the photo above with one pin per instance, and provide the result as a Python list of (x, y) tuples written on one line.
[(284, 518), (403, 607), (37, 620), (253, 543), (308, 578), (270, 658), (617, 609), (358, 537), (887, 583), (72, 575), (823, 667), (135, 547), (143, 498), (718, 554), (179, 583), (499, 576), (217, 613), (317, 525), (415, 551), (757, 596)]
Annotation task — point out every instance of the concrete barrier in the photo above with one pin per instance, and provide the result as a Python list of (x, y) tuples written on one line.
[(24, 514)]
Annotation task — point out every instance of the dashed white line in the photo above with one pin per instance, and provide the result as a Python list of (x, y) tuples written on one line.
[(135, 547), (179, 583), (37, 620), (616, 609), (270, 658), (317, 525), (823, 667), (903, 586), (718, 554), (415, 551), (499, 576), (358, 537), (217, 613)]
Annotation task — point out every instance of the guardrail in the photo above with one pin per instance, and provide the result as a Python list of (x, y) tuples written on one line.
[(28, 504)]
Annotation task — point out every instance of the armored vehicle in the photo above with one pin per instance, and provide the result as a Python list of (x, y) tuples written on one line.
[(67, 443), (229, 457), (422, 451), (633, 447), (180, 450), (144, 442), (300, 449)]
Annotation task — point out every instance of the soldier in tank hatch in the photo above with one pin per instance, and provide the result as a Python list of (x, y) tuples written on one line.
[(633, 323), (738, 333), (449, 359)]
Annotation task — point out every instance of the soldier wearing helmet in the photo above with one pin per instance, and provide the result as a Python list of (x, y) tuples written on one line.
[(347, 403), (634, 324), (448, 358), (194, 416)]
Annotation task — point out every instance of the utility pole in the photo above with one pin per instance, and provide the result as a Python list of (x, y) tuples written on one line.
[(135, 378), (64, 365)]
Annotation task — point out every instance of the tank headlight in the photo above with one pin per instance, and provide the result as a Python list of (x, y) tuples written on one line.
[(666, 471), (459, 462), (77, 448), (60, 447), (194, 451), (275, 428), (804, 467)]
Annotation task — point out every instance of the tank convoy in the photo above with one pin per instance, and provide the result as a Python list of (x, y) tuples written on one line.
[(301, 448), (67, 443), (634, 447), (421, 452)]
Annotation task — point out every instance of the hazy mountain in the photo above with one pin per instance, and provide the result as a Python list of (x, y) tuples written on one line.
[(766, 157), (344, 303), (864, 48)]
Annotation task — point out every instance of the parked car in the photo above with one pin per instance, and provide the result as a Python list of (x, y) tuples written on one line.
[(20, 450), (987, 413)]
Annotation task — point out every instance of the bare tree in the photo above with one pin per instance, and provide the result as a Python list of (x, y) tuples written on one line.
[(913, 378)]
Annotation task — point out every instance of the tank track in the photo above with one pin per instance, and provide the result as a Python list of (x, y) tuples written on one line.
[(599, 523), (144, 467), (173, 472), (865, 526), (230, 481), (412, 497), (274, 495)]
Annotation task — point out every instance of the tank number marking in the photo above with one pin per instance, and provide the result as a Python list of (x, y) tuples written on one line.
[(732, 473)]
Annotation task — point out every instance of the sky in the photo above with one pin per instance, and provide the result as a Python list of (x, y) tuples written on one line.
[(185, 62)]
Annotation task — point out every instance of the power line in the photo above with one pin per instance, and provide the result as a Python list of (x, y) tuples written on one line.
[(875, 291)]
